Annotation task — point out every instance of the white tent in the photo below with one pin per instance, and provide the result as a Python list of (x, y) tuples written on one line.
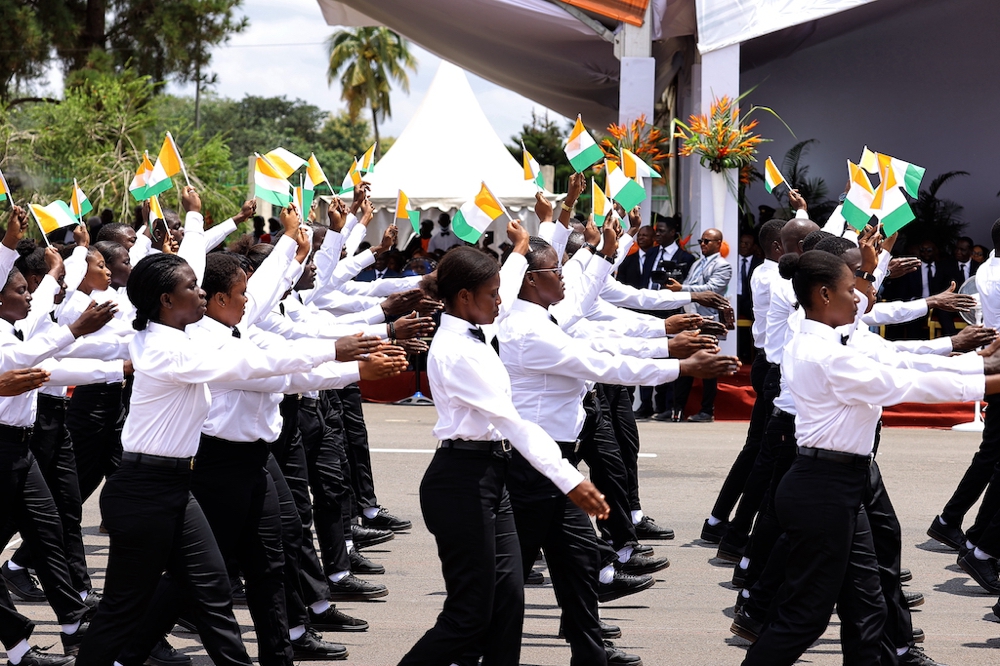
[(446, 151)]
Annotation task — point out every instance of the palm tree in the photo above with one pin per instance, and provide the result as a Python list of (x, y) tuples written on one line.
[(367, 60)]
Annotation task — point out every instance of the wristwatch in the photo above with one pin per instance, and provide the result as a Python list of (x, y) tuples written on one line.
[(864, 275)]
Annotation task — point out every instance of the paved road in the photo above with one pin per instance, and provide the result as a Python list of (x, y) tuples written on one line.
[(685, 618)]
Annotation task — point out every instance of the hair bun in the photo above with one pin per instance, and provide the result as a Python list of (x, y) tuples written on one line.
[(788, 265), (26, 246)]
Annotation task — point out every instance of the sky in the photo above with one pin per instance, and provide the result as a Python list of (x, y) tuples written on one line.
[(282, 52)]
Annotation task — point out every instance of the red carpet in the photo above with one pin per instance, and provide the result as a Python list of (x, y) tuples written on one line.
[(733, 403)]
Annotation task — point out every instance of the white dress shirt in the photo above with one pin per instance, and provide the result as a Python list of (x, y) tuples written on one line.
[(895, 312), (622, 295), (760, 291), (19, 410), (839, 392), (444, 240), (7, 259), (782, 305), (988, 283), (664, 254), (549, 370), (170, 396), (472, 396)]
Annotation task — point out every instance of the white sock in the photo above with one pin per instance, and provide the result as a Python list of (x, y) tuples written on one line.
[(350, 545), (340, 575), (980, 555), (940, 520), (637, 516), (607, 574), (69, 629), (320, 607), (295, 633), (15, 653), (745, 563), (84, 594), (624, 554), (371, 512), (901, 651), (969, 544), (745, 593), (14, 566), (713, 521)]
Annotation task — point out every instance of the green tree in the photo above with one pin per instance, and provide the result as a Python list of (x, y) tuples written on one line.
[(368, 60)]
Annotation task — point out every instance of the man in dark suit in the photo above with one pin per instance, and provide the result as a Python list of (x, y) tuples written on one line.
[(957, 268), (746, 262), (385, 266), (931, 278), (636, 267)]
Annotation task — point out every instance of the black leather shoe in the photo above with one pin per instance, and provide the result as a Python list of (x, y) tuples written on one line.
[(739, 577), (618, 657), (71, 642), (622, 585), (640, 564), (21, 584), (535, 578), (916, 656), (643, 413), (745, 627), (366, 536), (740, 602), (163, 654), (952, 537), (311, 646), (361, 565), (731, 548), (701, 417), (35, 657), (186, 625), (643, 549), (905, 575), (918, 636), (92, 601), (350, 588), (608, 631), (983, 572), (384, 520), (913, 599), (648, 529), (713, 533), (667, 416), (333, 620), (239, 592)]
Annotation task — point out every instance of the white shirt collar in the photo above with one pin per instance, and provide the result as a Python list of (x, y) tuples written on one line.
[(819, 328)]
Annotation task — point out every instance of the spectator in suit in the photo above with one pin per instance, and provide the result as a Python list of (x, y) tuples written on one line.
[(384, 267), (445, 238), (746, 262), (420, 241), (930, 279), (958, 268), (636, 267), (710, 273)]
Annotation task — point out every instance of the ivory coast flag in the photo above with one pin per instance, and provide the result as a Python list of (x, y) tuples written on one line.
[(623, 189), (168, 163), (352, 179), (602, 207), (284, 162), (314, 176), (79, 203), (868, 161), (905, 174), (367, 161), (476, 216), (635, 168), (889, 204), (581, 149), (772, 177), (138, 185), (4, 189), (268, 183), (404, 214), (54, 216), (155, 213), (532, 171), (857, 208)]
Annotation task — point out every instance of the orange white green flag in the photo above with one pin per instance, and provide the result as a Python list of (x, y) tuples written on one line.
[(404, 215), (635, 168), (155, 214), (268, 184), (367, 162), (352, 179), (168, 164), (314, 176), (857, 208), (138, 185), (532, 171), (581, 149), (602, 207), (284, 162), (772, 177), (623, 189), (54, 216), (4, 189), (79, 203), (476, 215), (889, 204)]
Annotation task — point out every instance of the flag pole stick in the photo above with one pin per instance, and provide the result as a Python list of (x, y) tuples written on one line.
[(180, 159)]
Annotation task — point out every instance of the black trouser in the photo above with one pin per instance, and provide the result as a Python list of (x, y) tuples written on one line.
[(887, 537), (95, 426), (26, 505), (548, 520), (765, 379), (240, 503), (980, 470), (14, 627), (600, 449), (53, 450), (682, 389), (831, 562), (291, 542), (156, 525), (465, 507), (619, 408), (362, 480), (330, 489)]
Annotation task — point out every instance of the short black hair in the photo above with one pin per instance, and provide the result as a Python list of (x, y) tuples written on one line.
[(834, 245), (814, 237), (112, 231), (109, 249), (222, 270), (461, 268), (536, 246), (770, 232), (575, 241)]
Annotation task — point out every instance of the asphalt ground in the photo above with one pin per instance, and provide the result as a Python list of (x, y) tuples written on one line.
[(685, 617)]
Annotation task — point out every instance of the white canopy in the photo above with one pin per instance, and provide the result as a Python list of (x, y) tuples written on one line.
[(446, 151)]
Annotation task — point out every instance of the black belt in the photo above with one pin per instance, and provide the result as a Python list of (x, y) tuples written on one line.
[(482, 446), (15, 434), (778, 411), (569, 448), (850, 459), (165, 462), (309, 403)]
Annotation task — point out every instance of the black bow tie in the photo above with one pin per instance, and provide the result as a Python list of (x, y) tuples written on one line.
[(445, 233), (478, 334), (19, 335), (844, 339), (236, 333), (553, 320), (52, 316)]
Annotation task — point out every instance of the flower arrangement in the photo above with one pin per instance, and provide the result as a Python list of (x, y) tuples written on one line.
[(722, 139), (649, 143)]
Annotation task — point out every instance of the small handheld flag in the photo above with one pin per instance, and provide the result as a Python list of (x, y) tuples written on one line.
[(623, 189), (581, 149), (79, 203), (54, 216), (532, 171), (268, 183), (352, 179), (602, 207), (284, 162), (773, 178), (367, 162), (635, 168), (5, 190), (868, 161), (138, 185), (168, 164), (404, 214), (476, 216), (155, 213), (314, 176), (857, 208)]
